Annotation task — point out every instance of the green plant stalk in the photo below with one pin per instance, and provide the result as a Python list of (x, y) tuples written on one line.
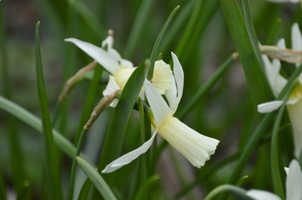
[(74, 165), (154, 53), (89, 102), (253, 142), (16, 157), (238, 184), (196, 15), (277, 183), (52, 167), (254, 74), (121, 115), (97, 180), (138, 27), (273, 34), (235, 191), (205, 88), (85, 190), (143, 139)]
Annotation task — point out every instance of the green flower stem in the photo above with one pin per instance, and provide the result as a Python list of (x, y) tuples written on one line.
[(52, 167), (205, 88), (277, 182), (154, 53), (273, 34), (138, 27), (143, 139), (236, 191), (74, 165)]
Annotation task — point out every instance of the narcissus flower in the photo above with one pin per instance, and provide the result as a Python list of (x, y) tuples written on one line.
[(121, 69), (196, 147), (293, 186), (277, 82)]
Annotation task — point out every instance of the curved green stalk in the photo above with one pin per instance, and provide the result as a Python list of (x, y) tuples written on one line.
[(238, 193)]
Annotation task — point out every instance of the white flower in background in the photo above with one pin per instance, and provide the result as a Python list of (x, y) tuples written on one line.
[(284, 1), (277, 82), (196, 147), (121, 69), (293, 186)]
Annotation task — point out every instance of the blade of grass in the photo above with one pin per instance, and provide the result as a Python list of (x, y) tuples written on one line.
[(237, 192), (246, 12), (16, 157), (74, 165), (254, 74), (85, 190), (52, 167), (36, 124), (273, 34), (277, 183), (121, 115), (154, 53), (96, 178), (138, 27)]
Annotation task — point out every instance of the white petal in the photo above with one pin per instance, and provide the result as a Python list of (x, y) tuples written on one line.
[(179, 78), (129, 157), (126, 63), (111, 87), (161, 78), (296, 39), (295, 1), (196, 147), (171, 94), (269, 106), (280, 83), (109, 41), (294, 182), (100, 55), (158, 105), (271, 71), (281, 43), (286, 169), (295, 115), (262, 195)]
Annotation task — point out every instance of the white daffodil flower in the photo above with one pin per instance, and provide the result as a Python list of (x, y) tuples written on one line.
[(121, 69), (277, 82), (284, 1), (293, 186), (196, 147)]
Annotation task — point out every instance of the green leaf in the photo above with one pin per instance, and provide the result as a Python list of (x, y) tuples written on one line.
[(138, 27), (237, 192), (277, 182), (85, 190), (143, 139), (121, 115), (143, 190), (205, 88), (239, 183), (254, 74), (52, 167), (36, 124), (155, 49), (96, 178), (273, 34)]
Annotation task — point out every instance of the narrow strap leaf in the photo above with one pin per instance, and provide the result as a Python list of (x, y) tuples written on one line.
[(85, 190), (238, 193), (96, 178), (52, 167)]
